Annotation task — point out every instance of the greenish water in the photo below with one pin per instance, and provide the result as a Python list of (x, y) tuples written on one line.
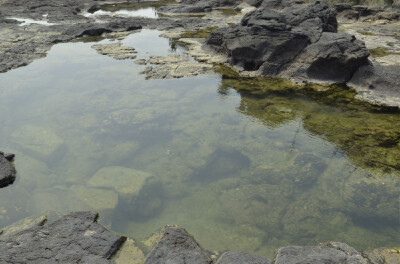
[(249, 164)]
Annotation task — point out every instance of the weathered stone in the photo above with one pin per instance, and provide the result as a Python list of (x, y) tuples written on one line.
[(169, 71), (299, 43), (74, 238), (178, 247), (331, 253), (239, 257), (383, 255), (25, 223), (7, 171), (116, 51)]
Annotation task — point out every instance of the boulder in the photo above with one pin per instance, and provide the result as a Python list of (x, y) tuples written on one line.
[(75, 238), (331, 253), (178, 247), (7, 170), (299, 43), (239, 257)]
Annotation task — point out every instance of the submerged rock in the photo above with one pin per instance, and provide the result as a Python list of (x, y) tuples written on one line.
[(238, 257), (383, 255), (75, 238), (7, 170), (178, 247), (332, 253), (116, 51), (299, 43)]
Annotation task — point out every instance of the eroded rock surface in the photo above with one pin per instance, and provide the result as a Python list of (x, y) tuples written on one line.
[(7, 170), (75, 238), (178, 247), (116, 51), (332, 253), (299, 43), (238, 257)]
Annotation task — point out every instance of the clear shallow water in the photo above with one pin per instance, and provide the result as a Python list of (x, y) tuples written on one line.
[(242, 164), (149, 12)]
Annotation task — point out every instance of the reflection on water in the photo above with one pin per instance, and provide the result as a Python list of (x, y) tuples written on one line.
[(239, 167)]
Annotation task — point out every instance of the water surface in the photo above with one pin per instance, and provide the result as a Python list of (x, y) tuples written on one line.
[(242, 164)]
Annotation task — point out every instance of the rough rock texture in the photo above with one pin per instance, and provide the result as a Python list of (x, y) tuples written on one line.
[(178, 247), (299, 43), (331, 253), (197, 6), (239, 257), (75, 238), (383, 255), (7, 170)]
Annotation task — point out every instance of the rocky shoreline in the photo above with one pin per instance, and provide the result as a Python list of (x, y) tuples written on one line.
[(78, 238), (7, 169), (289, 39)]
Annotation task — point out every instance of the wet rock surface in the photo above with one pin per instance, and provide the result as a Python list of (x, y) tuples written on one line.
[(299, 43), (74, 238), (116, 51), (7, 170)]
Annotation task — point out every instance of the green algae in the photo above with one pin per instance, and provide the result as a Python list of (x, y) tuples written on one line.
[(380, 52), (200, 33)]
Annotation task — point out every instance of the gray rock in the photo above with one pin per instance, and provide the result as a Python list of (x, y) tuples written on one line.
[(75, 238), (7, 170), (299, 43), (178, 247), (331, 253), (239, 257), (382, 255)]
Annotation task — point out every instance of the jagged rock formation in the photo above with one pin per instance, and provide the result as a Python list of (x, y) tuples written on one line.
[(299, 43), (7, 170)]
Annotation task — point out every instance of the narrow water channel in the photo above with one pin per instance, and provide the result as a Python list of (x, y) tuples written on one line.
[(242, 164)]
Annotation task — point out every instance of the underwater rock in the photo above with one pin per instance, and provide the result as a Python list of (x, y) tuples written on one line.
[(239, 257), (382, 255), (224, 162), (41, 141), (75, 238), (125, 181), (332, 253), (116, 51), (308, 168), (7, 169), (299, 43), (177, 246), (96, 199)]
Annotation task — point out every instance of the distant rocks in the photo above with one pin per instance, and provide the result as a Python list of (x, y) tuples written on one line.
[(197, 6), (300, 43), (116, 51), (75, 238), (7, 170)]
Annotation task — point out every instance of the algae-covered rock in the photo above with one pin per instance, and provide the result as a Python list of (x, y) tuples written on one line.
[(38, 140), (125, 181), (129, 253), (169, 71), (22, 224), (116, 51), (383, 255), (96, 199), (238, 257)]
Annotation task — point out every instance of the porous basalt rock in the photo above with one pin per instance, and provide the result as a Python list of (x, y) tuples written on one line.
[(75, 238), (300, 43), (7, 170)]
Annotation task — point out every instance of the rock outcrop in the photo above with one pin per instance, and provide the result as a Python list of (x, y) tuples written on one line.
[(75, 238), (7, 170), (300, 43), (177, 246)]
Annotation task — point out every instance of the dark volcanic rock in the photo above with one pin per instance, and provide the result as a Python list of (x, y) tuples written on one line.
[(239, 257), (75, 238), (332, 253), (7, 170), (178, 247), (299, 43)]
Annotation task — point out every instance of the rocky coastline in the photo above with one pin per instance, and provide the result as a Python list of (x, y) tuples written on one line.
[(78, 238)]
